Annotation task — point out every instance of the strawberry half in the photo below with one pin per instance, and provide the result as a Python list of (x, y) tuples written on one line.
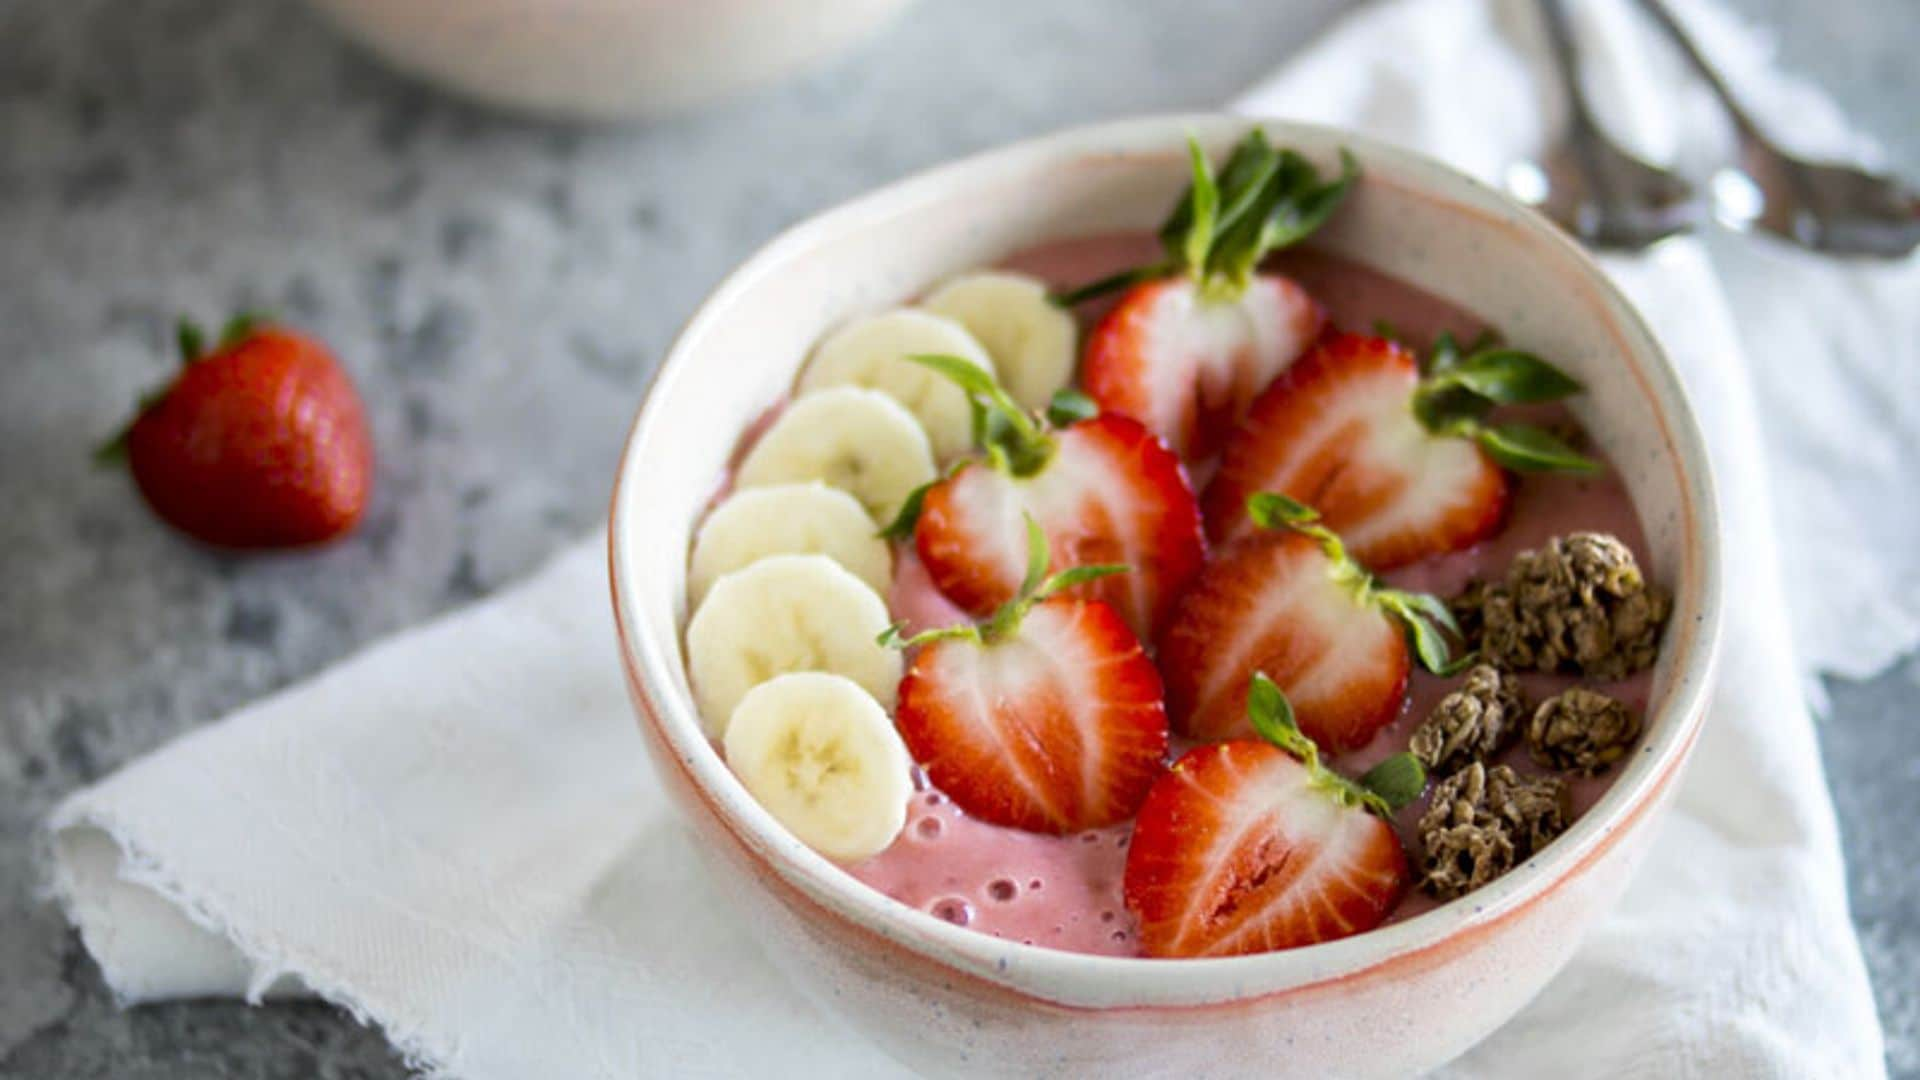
[(1399, 463), (1187, 365), (1102, 489), (1289, 601), (1198, 334), (1251, 846), (1048, 717)]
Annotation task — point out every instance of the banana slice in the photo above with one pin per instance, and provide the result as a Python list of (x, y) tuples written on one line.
[(823, 758), (860, 441), (786, 613), (1032, 340), (788, 519), (870, 352)]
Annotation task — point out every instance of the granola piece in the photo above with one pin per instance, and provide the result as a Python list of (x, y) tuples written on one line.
[(1581, 731), (1578, 604), (1473, 723), (1482, 822)]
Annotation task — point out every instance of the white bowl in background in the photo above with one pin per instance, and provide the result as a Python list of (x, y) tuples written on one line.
[(605, 59)]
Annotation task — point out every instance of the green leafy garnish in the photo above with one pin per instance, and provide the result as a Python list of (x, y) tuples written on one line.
[(1429, 625), (1385, 788), (902, 525), (1262, 200), (1531, 449), (1070, 406), (1397, 781), (1038, 585), (1461, 386)]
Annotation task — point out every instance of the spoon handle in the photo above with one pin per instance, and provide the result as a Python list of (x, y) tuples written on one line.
[(1677, 34), (1566, 66)]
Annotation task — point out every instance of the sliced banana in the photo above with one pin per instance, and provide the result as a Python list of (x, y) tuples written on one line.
[(823, 758), (1032, 340), (871, 352), (786, 613), (788, 519), (860, 441)]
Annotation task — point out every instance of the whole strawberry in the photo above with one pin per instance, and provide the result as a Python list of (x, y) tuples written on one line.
[(260, 442)]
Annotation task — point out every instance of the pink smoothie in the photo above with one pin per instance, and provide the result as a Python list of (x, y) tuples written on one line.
[(1065, 891)]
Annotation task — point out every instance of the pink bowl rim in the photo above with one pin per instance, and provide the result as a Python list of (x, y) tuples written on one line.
[(1076, 979)]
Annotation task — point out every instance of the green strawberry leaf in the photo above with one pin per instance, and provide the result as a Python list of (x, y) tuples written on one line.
[(1271, 715), (1012, 439), (1397, 781), (1308, 204), (1261, 201), (1070, 406), (1274, 510), (191, 339), (1512, 377), (903, 523), (1526, 448), (240, 328)]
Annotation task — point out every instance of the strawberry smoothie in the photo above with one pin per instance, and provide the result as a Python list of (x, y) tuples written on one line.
[(1066, 891)]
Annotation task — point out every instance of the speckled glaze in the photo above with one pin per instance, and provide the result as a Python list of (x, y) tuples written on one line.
[(946, 1000)]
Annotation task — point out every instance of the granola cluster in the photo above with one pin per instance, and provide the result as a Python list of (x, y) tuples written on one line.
[(1578, 604), (1482, 822), (1581, 731), (1472, 723)]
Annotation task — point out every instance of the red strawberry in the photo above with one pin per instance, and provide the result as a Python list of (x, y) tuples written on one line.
[(1046, 718), (1103, 490), (1289, 602), (1187, 366), (1399, 465), (258, 443), (1198, 333), (1250, 846)]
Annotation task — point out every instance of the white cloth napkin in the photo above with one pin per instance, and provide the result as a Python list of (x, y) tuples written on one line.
[(452, 835)]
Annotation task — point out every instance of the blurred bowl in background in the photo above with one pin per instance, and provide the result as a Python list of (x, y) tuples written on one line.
[(606, 59)]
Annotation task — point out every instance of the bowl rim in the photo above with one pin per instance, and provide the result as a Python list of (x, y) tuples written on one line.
[(1068, 978)]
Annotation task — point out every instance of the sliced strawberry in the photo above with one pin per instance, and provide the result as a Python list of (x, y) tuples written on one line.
[(1109, 493), (1288, 601), (1397, 463), (1047, 718), (1187, 365), (1101, 488), (1247, 847), (1270, 603), (1198, 333)]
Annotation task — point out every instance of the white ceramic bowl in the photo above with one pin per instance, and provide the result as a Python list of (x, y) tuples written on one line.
[(605, 59), (948, 1000)]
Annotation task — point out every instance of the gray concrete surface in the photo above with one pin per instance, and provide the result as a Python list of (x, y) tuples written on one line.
[(500, 288)]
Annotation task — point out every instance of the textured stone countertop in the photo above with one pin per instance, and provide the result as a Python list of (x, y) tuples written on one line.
[(500, 288)]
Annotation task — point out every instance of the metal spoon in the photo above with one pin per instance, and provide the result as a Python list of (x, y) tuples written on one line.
[(1590, 186), (1835, 209)]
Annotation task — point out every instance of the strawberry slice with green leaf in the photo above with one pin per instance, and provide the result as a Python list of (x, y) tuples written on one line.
[(1046, 717), (1403, 463), (1102, 488), (1254, 845), (1199, 332), (1289, 601)]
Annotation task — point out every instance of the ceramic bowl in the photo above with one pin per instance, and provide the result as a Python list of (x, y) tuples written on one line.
[(944, 999), (605, 59)]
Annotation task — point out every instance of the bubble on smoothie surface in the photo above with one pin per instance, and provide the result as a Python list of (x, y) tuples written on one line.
[(1002, 890), (953, 909), (928, 828)]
